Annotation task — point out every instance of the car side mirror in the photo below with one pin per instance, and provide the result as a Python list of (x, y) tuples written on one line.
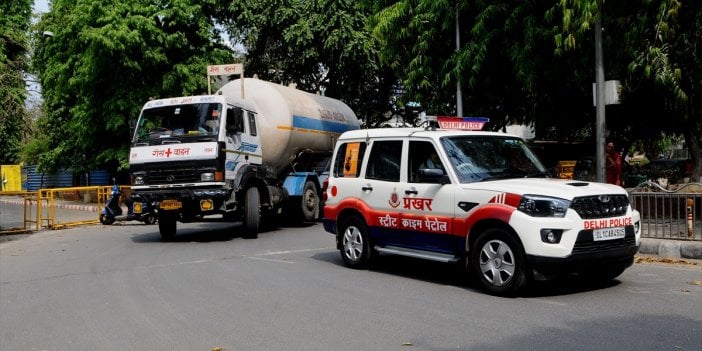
[(432, 175)]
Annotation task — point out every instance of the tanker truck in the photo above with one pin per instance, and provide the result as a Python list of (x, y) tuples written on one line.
[(253, 150)]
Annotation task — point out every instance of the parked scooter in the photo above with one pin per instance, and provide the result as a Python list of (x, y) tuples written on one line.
[(137, 209)]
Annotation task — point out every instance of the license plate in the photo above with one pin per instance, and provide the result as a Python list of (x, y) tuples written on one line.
[(608, 233), (171, 205)]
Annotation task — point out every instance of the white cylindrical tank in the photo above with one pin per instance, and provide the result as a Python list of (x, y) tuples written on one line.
[(292, 120)]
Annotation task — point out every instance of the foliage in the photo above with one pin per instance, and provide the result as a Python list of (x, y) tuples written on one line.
[(320, 45), (104, 60), (14, 23), (506, 63), (662, 81), (528, 62)]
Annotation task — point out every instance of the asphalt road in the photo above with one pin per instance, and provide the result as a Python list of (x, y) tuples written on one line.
[(121, 288)]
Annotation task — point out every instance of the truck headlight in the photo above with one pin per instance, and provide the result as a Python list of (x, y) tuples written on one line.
[(207, 177), (543, 206)]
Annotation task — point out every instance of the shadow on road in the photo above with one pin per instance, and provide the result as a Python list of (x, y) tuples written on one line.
[(456, 275), (210, 231)]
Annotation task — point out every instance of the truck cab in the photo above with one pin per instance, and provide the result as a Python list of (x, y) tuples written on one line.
[(191, 154)]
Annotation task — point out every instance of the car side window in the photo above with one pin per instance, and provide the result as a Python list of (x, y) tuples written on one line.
[(422, 155), (384, 161), (348, 160)]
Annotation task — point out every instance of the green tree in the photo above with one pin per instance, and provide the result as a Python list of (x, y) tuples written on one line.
[(320, 45), (104, 59), (14, 24), (507, 64), (662, 85)]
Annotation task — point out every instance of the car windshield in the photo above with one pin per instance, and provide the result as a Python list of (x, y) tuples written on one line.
[(185, 120), (484, 158)]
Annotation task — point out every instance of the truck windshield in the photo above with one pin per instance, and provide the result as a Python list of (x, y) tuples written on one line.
[(178, 121), (484, 158)]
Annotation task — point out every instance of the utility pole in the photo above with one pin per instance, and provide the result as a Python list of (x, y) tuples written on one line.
[(600, 103), (459, 94)]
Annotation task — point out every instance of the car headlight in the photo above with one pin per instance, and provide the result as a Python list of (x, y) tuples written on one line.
[(207, 177), (543, 206)]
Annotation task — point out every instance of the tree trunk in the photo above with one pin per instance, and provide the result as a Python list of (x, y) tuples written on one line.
[(691, 132)]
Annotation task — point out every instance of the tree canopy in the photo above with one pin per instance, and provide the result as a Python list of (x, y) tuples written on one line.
[(104, 59), (528, 62), (14, 27)]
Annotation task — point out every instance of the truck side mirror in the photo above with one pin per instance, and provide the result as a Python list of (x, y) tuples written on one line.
[(132, 127)]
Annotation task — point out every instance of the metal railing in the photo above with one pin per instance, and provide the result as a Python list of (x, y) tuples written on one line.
[(32, 211), (669, 214), (81, 205)]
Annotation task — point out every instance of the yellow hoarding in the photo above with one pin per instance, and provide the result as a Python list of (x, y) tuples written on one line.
[(11, 177)]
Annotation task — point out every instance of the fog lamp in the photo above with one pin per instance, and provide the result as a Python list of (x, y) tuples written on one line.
[(206, 205), (551, 236)]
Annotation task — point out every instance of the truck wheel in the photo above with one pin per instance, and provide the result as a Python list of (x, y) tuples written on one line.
[(310, 202), (497, 260), (252, 213), (355, 247), (167, 225)]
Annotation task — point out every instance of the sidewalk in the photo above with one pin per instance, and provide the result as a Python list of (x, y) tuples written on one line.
[(670, 248)]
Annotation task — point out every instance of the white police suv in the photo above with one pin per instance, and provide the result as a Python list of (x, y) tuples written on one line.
[(483, 197)]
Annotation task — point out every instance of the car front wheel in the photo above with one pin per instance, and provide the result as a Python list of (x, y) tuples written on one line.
[(498, 262)]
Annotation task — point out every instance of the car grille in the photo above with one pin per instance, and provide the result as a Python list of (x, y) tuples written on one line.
[(585, 243), (602, 206)]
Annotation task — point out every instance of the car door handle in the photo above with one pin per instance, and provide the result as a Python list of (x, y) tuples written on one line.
[(411, 192), (367, 188)]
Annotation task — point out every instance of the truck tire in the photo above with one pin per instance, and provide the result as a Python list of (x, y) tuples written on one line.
[(167, 225), (252, 213), (310, 202)]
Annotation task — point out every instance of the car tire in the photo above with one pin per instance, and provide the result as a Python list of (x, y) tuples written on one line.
[(354, 243), (498, 262)]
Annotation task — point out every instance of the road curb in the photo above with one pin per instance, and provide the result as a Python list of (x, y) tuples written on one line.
[(671, 248)]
